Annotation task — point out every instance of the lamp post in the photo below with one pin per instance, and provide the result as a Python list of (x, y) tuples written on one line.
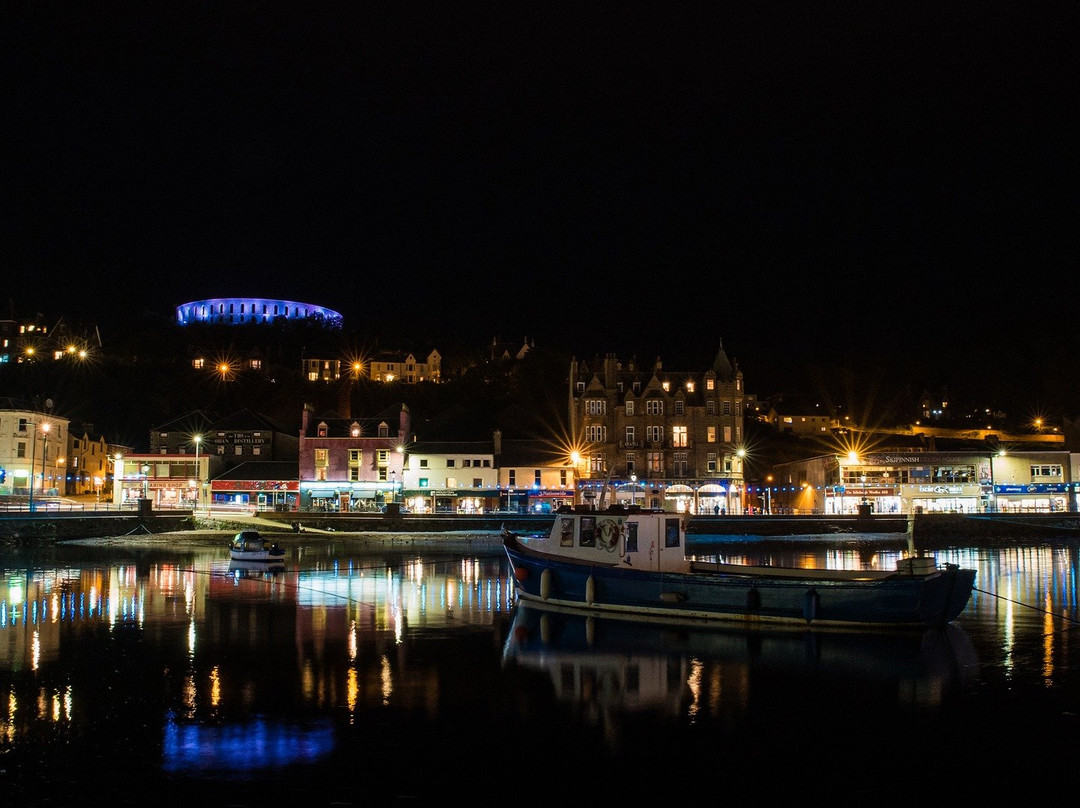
[(44, 451), (991, 501), (33, 462), (145, 481), (768, 493), (198, 474), (117, 477), (401, 464)]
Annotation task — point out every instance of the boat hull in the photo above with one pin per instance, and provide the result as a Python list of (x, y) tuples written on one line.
[(257, 555), (905, 601)]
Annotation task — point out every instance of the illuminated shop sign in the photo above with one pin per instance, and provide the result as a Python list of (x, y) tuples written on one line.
[(1032, 488)]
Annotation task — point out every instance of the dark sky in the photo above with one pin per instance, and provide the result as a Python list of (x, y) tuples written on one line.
[(885, 188)]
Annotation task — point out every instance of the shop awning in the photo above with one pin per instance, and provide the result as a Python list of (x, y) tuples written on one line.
[(457, 492), (323, 493)]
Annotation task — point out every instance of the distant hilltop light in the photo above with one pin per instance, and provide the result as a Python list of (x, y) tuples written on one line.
[(241, 310)]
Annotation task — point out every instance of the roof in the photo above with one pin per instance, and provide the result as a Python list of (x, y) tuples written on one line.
[(246, 419), (531, 453), (441, 447), (268, 470)]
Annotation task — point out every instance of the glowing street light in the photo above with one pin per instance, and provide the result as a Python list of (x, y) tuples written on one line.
[(198, 473), (117, 477), (44, 451), (33, 462)]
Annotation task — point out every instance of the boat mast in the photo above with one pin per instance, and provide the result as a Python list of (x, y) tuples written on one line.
[(603, 491)]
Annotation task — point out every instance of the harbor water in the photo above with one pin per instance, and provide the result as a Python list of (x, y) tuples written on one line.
[(399, 670)]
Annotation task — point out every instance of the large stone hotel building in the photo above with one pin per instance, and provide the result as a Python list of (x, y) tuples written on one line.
[(660, 438)]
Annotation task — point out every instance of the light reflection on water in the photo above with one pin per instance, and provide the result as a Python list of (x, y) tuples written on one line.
[(241, 672)]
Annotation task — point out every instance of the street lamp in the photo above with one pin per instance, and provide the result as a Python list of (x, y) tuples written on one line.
[(768, 493), (991, 500), (198, 474), (145, 481), (44, 451), (33, 462), (117, 477)]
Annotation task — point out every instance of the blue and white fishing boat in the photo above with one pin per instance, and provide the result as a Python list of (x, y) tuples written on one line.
[(626, 562)]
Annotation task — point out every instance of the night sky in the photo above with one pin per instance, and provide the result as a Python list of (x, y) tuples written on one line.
[(888, 191)]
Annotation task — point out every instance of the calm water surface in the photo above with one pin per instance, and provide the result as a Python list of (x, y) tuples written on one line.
[(149, 671)]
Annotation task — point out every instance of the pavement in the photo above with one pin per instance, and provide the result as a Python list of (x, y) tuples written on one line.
[(243, 519)]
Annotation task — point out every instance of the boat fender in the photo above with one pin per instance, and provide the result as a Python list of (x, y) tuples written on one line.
[(753, 599), (545, 584), (590, 631), (590, 591), (811, 601), (521, 574)]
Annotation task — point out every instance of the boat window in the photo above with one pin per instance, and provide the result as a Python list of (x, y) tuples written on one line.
[(566, 532), (588, 532), (671, 532), (631, 537)]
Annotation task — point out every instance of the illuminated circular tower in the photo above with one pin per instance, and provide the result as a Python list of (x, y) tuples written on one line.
[(243, 310)]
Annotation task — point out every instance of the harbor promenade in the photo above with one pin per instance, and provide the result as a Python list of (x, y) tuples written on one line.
[(45, 527)]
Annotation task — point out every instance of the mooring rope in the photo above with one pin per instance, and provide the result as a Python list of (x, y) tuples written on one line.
[(1074, 621)]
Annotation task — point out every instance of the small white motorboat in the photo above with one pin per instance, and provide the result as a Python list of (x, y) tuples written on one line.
[(250, 545)]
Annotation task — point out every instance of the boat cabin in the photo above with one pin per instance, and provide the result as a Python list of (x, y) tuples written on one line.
[(249, 541)]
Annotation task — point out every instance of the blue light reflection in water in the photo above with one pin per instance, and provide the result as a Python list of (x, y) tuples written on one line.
[(243, 747)]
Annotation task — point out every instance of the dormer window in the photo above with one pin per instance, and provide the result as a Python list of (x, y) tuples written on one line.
[(354, 430), (667, 386), (322, 429)]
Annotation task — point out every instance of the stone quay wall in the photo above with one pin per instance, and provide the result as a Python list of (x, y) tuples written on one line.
[(28, 529)]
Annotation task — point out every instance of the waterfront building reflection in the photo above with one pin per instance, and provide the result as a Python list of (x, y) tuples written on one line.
[(174, 662)]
